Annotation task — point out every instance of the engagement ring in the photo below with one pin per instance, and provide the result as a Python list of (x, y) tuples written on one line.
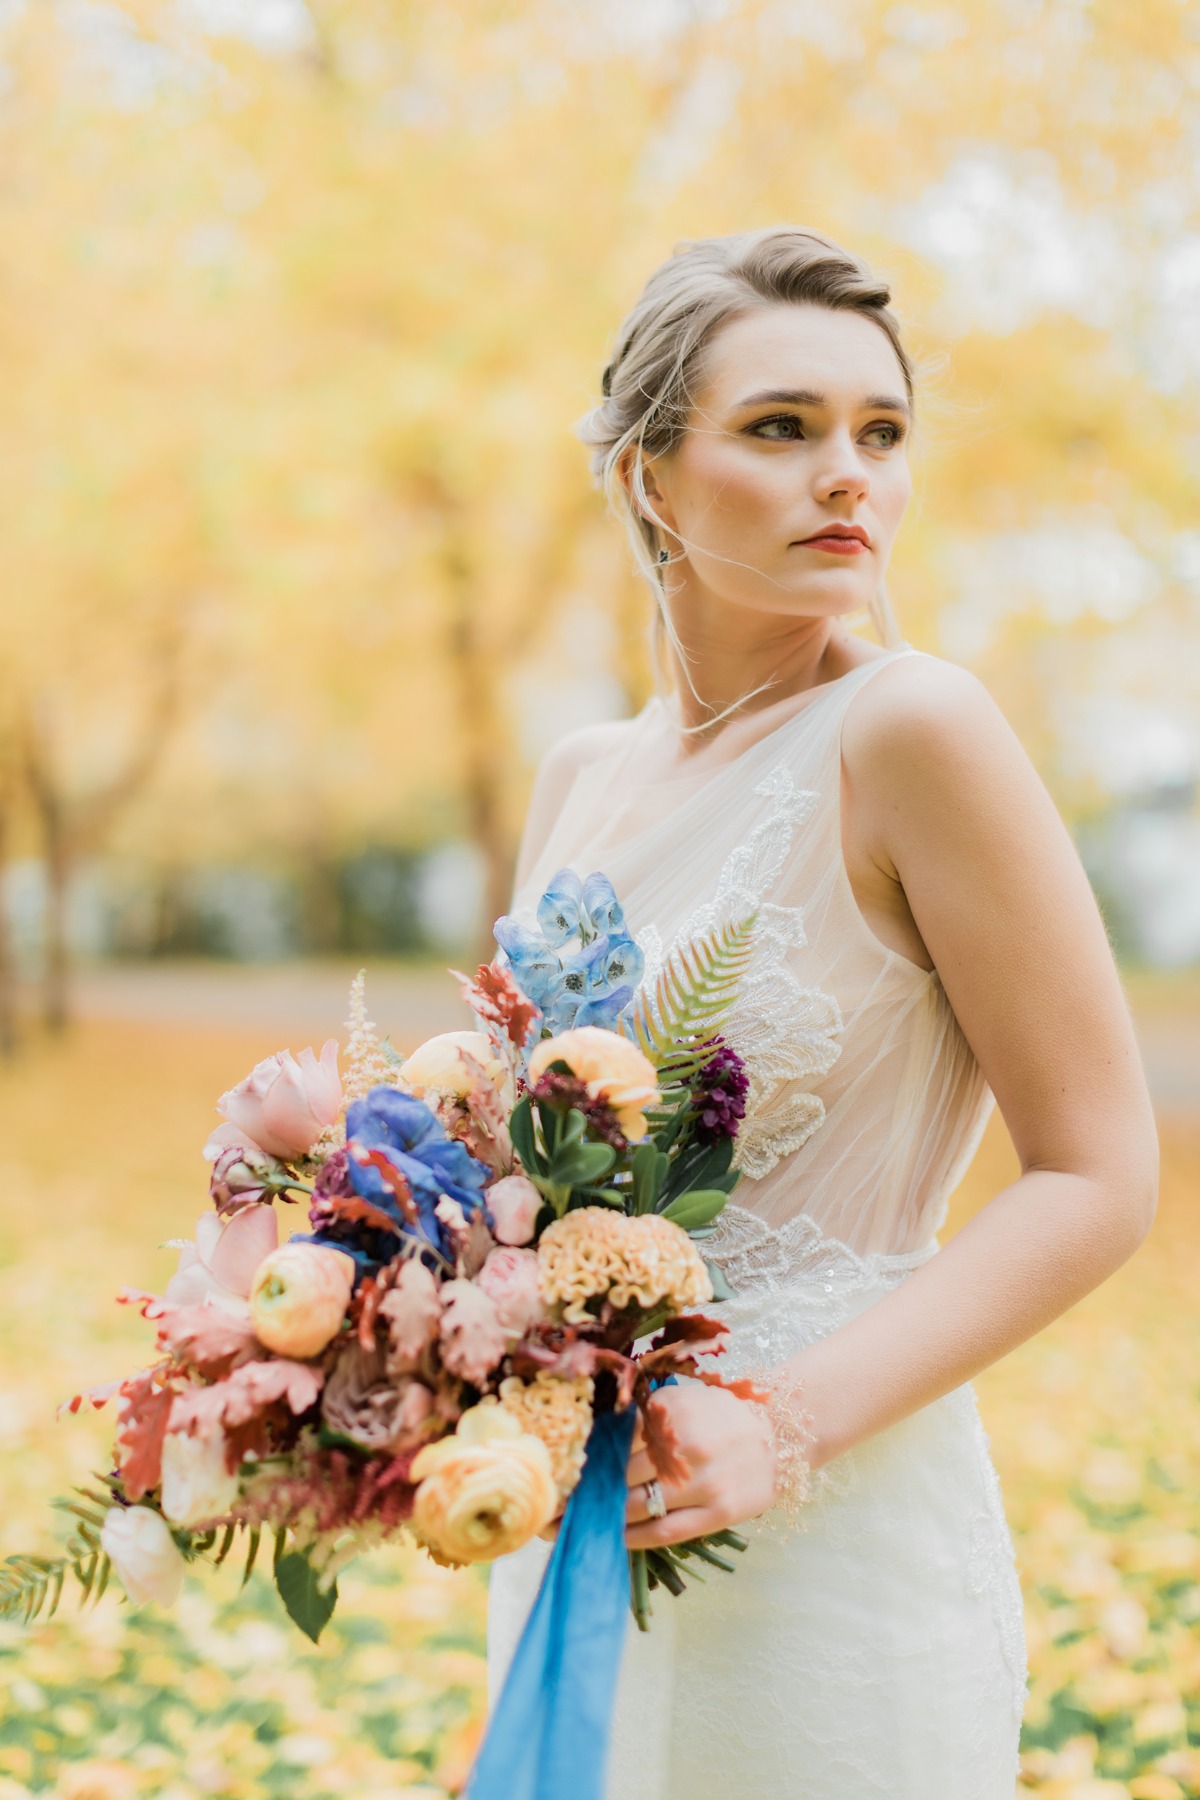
[(656, 1506)]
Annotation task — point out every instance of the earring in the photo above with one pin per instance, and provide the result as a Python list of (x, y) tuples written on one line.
[(664, 555)]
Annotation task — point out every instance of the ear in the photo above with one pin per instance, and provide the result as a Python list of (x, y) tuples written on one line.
[(626, 465)]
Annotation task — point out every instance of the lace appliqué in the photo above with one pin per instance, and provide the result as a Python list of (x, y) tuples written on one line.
[(786, 1034), (764, 1258)]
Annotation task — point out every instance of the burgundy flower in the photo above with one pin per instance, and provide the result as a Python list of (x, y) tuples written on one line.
[(568, 1091), (719, 1095)]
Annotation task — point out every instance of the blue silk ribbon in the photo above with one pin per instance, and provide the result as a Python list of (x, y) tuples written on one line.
[(549, 1730)]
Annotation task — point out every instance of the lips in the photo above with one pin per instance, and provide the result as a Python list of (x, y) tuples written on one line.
[(843, 537)]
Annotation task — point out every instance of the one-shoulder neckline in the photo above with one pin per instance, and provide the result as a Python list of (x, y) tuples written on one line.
[(809, 699)]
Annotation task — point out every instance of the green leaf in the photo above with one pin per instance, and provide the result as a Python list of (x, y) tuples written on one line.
[(650, 1166), (520, 1127), (699, 1207), (226, 1545), (311, 1607), (691, 1000), (581, 1163), (720, 1287), (251, 1551)]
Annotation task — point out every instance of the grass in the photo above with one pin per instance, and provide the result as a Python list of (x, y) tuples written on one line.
[(1095, 1428)]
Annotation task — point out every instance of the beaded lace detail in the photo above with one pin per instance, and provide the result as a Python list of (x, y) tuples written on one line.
[(754, 1255), (786, 1034)]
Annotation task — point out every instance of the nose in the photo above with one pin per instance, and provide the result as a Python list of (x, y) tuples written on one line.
[(841, 471)]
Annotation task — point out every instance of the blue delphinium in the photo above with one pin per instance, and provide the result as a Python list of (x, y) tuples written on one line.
[(580, 966), (415, 1143)]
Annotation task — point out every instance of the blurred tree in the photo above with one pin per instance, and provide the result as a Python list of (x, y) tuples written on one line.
[(300, 325)]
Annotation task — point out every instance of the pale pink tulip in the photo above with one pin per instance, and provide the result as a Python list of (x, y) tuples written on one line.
[(148, 1562), (286, 1102), (514, 1204), (220, 1266)]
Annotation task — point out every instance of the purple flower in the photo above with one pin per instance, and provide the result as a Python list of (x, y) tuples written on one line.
[(719, 1095)]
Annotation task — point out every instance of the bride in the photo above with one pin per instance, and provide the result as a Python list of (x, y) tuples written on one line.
[(927, 941)]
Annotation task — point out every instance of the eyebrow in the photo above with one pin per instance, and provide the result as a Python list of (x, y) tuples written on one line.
[(810, 397)]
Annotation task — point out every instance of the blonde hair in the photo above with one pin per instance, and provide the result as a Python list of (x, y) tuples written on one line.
[(649, 379)]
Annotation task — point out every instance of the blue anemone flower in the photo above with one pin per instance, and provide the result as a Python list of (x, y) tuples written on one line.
[(414, 1142)]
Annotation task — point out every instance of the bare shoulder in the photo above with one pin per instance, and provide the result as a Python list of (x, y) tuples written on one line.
[(556, 774), (921, 698), (574, 751)]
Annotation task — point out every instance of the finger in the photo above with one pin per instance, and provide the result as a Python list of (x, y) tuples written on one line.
[(550, 1531), (639, 1469), (635, 1505), (681, 1523)]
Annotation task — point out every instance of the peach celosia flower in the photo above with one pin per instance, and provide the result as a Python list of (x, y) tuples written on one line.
[(558, 1410), (485, 1490), (594, 1252), (611, 1067)]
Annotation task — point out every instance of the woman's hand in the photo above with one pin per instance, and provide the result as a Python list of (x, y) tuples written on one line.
[(725, 1441)]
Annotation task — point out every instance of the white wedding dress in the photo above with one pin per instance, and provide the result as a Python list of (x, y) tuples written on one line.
[(879, 1651)]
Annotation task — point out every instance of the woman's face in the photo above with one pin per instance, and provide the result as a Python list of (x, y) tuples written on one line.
[(800, 424)]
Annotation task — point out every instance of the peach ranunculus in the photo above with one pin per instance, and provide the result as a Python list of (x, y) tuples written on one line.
[(196, 1484), (513, 1203), (485, 1490), (148, 1561), (299, 1298), (511, 1279), (285, 1102), (437, 1065), (611, 1067), (219, 1268)]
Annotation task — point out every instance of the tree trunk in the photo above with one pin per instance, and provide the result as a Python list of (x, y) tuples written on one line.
[(56, 954), (8, 967)]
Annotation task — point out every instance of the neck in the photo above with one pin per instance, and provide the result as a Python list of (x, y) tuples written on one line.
[(732, 650)]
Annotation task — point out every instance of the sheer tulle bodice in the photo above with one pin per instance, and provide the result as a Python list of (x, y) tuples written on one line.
[(866, 1102), (880, 1651)]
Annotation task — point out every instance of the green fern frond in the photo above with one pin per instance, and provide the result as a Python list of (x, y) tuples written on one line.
[(692, 997), (28, 1582)]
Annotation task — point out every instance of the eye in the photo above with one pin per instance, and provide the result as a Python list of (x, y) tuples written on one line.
[(789, 423), (897, 432)]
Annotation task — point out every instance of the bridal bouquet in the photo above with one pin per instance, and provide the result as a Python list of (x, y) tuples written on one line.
[(494, 1221)]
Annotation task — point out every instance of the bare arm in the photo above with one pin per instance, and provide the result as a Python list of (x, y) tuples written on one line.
[(962, 821)]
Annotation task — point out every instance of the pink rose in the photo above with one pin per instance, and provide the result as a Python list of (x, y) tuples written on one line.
[(472, 1337), (514, 1203), (510, 1279), (221, 1265), (284, 1103)]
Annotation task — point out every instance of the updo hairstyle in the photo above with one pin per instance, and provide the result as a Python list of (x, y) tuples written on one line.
[(657, 366)]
